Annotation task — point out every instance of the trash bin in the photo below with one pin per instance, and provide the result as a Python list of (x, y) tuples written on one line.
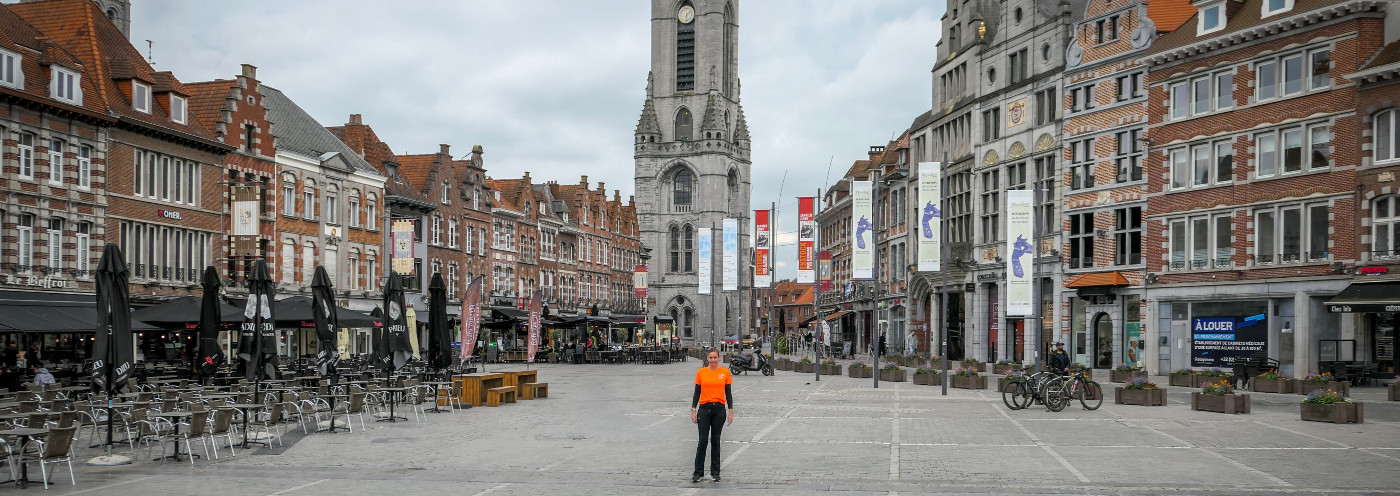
[(493, 353)]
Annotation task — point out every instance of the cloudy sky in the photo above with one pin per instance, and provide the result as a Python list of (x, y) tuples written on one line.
[(555, 87)]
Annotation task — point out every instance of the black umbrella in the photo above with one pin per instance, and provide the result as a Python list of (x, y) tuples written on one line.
[(439, 334), (257, 343), (211, 318), (324, 315), (397, 348), (112, 346)]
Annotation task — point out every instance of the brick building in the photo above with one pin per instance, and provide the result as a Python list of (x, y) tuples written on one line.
[(792, 305), (1252, 178)]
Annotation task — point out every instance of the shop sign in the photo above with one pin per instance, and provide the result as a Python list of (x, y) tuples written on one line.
[(1220, 341), (169, 214), (36, 281)]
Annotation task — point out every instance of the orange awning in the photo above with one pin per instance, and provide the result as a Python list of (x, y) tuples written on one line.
[(1114, 278)]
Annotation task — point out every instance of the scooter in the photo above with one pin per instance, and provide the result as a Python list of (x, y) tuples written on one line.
[(739, 364)]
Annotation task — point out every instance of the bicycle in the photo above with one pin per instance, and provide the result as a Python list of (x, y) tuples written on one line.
[(1023, 393), (1080, 387)]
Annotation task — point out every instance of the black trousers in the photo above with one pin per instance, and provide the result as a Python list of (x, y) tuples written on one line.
[(711, 418)]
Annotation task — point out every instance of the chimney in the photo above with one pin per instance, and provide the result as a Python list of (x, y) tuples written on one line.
[(355, 119), (250, 71), (444, 149), (527, 177), (602, 189), (583, 180), (631, 199), (617, 195)]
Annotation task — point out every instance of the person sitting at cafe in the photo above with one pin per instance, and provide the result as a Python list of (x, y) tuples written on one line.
[(41, 374)]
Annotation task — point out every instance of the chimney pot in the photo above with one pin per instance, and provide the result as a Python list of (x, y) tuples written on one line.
[(355, 119), (583, 180), (250, 71), (444, 149)]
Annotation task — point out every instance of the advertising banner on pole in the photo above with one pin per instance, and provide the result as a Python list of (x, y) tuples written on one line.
[(536, 319), (806, 240), (403, 246), (730, 277), (762, 273), (1020, 264), (930, 216), (863, 242), (706, 245), (824, 271), (639, 281)]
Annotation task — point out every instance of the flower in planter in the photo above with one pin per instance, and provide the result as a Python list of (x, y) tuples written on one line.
[(1014, 375), (1123, 367), (1270, 375), (829, 362), (859, 365), (967, 372), (806, 360), (1214, 372), (1183, 372), (1007, 363), (891, 366), (924, 370), (971, 361), (1076, 366), (1221, 388), (1140, 383), (1325, 397), (1323, 377)]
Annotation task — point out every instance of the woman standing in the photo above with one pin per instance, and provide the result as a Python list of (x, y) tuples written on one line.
[(712, 396)]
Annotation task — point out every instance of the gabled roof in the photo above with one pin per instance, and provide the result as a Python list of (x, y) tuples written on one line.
[(1390, 54), (503, 201), (1170, 14), (419, 170), (362, 140), (209, 98), (17, 35), (298, 132), (1246, 17)]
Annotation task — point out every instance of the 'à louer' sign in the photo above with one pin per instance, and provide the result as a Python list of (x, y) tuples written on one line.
[(1220, 341)]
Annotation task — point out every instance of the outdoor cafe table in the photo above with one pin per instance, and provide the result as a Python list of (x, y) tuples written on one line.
[(245, 410), (474, 386), (438, 385), (394, 395), (175, 417), (24, 434), (516, 378)]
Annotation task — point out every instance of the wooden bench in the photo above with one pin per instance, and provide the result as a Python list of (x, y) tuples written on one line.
[(496, 396), (532, 390)]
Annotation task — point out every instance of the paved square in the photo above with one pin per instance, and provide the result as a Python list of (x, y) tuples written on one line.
[(624, 430)]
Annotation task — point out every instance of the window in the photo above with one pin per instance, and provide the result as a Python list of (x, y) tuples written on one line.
[(63, 85), (177, 109), (1320, 68), (1129, 161), (1317, 141), (1320, 144), (83, 243), (371, 218), (682, 185), (249, 135), (289, 203), (308, 204), (55, 162), (331, 207), (1045, 175), (1082, 161), (1223, 242), (1200, 243), (1210, 19), (991, 206), (1290, 75), (25, 243), (140, 97), (11, 70), (84, 167), (1200, 165), (446, 188), (1179, 94), (1045, 106), (1082, 98), (1081, 241), (1180, 172), (954, 44), (1200, 95), (1127, 236), (1224, 90), (1106, 30), (1266, 146), (1268, 80), (1385, 226), (26, 155), (1018, 66), (1292, 233), (1224, 161), (354, 210), (688, 245), (55, 235), (1129, 86), (991, 124), (1272, 7)]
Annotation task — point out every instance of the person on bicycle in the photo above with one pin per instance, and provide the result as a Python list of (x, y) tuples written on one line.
[(1059, 359)]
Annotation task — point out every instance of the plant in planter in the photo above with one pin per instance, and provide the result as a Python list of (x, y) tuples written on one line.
[(968, 377), (1183, 378), (927, 377), (805, 365), (1077, 367), (973, 363), (1328, 405), (1124, 373), (830, 367), (1140, 391), (1324, 380), (859, 370), (892, 373), (1271, 382), (1012, 375), (1219, 397), (1002, 366)]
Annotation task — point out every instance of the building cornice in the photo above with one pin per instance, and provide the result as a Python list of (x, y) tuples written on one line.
[(1265, 29)]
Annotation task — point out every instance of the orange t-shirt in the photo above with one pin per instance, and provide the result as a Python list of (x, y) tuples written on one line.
[(712, 384)]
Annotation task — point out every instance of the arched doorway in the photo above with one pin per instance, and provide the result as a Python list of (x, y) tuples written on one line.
[(1102, 343)]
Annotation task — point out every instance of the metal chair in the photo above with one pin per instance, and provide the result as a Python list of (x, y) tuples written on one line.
[(193, 430), (58, 448), (223, 426)]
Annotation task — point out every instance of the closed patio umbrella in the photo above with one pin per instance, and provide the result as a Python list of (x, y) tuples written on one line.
[(439, 334), (112, 345), (211, 318), (257, 343), (396, 324), (324, 316)]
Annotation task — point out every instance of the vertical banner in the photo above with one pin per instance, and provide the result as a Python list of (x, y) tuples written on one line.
[(403, 247), (245, 222), (471, 317), (703, 269), (1019, 266), (806, 240), (930, 216), (730, 276), (639, 281), (863, 242), (762, 273), (824, 271), (536, 319)]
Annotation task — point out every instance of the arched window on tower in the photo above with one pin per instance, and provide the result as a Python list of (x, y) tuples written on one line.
[(685, 130), (733, 183), (685, 51), (675, 250), (683, 185), (731, 44), (689, 247)]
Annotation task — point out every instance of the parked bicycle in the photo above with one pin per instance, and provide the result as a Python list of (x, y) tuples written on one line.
[(1076, 387), (1034, 389)]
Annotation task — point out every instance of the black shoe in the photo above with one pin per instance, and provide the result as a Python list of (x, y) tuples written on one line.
[(694, 479), (715, 477)]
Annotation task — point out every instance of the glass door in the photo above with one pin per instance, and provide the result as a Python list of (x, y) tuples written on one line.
[(1383, 335)]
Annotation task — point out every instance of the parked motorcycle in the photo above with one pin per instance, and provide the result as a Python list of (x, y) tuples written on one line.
[(739, 364)]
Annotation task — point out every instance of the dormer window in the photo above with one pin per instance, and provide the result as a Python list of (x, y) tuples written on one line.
[(1272, 7), (11, 72), (177, 109), (141, 97), (1211, 19), (64, 85)]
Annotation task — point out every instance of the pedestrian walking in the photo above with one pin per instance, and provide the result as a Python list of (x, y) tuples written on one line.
[(713, 396)]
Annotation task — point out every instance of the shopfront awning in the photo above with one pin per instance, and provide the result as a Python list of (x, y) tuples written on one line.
[(52, 312), (1113, 278), (829, 317), (1370, 297)]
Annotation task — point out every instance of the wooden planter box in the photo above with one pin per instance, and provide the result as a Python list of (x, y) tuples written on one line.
[(1123, 377), (1337, 413), (1144, 397), (913, 361), (808, 367), (1183, 380), (1001, 384), (1229, 403), (934, 379), (1003, 369), (896, 375), (831, 369), (979, 366), (1392, 392), (1271, 385), (969, 382), (1306, 387), (1197, 379), (859, 372)]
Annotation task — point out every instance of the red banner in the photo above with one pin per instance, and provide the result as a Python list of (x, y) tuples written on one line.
[(536, 319), (762, 272), (471, 317), (639, 281), (806, 240)]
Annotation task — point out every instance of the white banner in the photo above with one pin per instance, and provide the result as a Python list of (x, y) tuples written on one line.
[(731, 255), (930, 216), (703, 270), (245, 218), (1020, 245), (862, 232)]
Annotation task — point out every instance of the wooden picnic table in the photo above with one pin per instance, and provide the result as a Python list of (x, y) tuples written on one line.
[(473, 387)]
